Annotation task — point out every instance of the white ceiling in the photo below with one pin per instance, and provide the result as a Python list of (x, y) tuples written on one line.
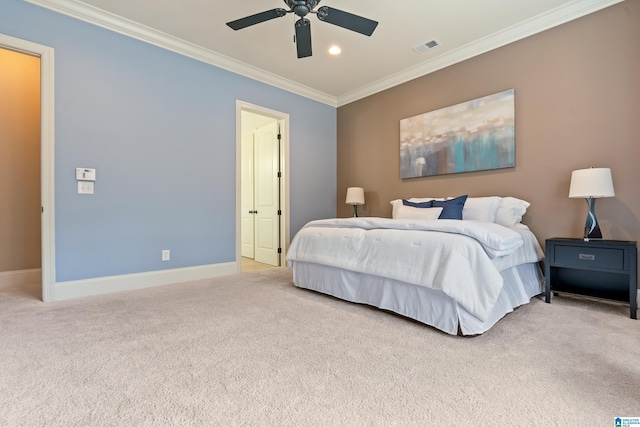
[(266, 51)]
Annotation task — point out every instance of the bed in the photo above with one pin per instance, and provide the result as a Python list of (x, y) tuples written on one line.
[(457, 264)]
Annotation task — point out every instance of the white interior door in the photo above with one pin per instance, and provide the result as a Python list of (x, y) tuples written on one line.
[(267, 194), (247, 216)]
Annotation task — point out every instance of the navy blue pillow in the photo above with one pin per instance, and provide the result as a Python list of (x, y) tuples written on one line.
[(451, 209), (417, 204)]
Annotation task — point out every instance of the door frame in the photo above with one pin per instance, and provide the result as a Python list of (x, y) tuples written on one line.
[(47, 172), (283, 120)]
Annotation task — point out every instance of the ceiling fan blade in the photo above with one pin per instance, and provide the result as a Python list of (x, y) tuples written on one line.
[(347, 20), (248, 21), (303, 37)]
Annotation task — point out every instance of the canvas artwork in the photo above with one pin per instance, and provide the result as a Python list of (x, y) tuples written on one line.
[(471, 136)]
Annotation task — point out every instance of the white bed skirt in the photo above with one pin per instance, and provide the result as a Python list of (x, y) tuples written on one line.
[(425, 305)]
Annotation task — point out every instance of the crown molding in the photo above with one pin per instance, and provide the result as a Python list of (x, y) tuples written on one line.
[(118, 24), (558, 16)]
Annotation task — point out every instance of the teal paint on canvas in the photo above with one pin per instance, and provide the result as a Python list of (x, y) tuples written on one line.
[(471, 136)]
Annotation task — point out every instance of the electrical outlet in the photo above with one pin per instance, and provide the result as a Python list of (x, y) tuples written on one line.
[(166, 255), (85, 187)]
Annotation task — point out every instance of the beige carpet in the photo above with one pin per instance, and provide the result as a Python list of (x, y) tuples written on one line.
[(252, 349)]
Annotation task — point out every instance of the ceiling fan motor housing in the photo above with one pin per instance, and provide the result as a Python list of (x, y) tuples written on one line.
[(301, 7)]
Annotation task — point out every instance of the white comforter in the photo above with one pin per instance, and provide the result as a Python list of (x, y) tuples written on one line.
[(461, 258)]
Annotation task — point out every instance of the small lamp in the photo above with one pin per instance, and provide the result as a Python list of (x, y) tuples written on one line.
[(592, 183), (355, 197)]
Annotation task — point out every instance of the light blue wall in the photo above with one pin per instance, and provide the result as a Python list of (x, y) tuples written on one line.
[(160, 130)]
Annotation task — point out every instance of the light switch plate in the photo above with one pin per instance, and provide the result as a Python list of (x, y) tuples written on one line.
[(85, 174), (85, 187)]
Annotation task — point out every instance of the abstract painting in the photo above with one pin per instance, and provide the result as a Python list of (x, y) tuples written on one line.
[(471, 136)]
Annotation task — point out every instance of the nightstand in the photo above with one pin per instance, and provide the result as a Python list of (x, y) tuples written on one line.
[(597, 268)]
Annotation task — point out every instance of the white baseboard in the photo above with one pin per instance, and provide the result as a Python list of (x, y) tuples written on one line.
[(9, 279), (126, 282)]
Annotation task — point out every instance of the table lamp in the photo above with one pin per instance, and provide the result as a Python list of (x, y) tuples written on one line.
[(355, 197), (591, 184)]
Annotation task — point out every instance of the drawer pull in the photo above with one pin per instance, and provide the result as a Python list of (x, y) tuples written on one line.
[(587, 257)]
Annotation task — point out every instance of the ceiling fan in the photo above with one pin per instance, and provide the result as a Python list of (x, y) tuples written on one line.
[(303, 26)]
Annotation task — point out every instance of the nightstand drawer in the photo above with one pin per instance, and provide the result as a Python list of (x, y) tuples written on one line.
[(584, 257)]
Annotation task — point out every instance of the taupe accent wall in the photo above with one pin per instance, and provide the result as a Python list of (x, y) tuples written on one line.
[(577, 97), (19, 161)]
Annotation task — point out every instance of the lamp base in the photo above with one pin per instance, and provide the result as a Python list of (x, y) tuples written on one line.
[(592, 236), (355, 211), (591, 227)]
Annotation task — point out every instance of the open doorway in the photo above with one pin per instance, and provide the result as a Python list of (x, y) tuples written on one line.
[(42, 203), (262, 187), (20, 169)]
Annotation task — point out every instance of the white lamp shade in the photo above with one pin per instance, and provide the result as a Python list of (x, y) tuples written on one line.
[(591, 183), (355, 196)]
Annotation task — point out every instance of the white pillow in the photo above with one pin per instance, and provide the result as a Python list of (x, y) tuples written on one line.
[(481, 208), (424, 199), (409, 212), (394, 207), (398, 202), (510, 211)]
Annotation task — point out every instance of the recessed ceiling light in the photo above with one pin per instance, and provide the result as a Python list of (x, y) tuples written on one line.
[(334, 50)]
